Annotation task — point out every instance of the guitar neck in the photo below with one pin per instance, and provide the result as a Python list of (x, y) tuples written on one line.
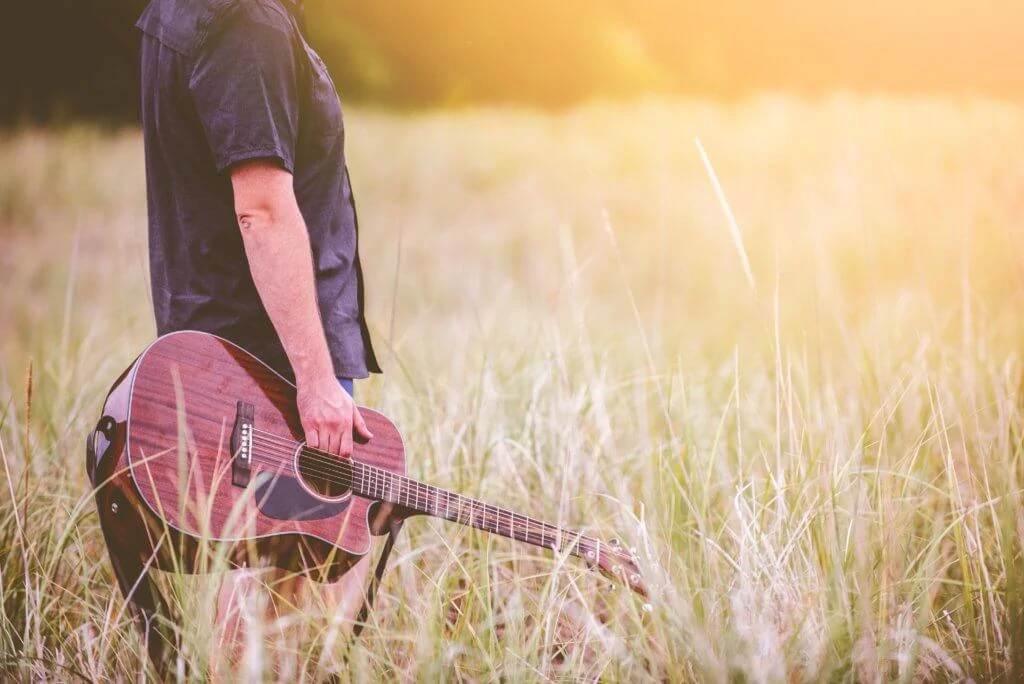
[(374, 483)]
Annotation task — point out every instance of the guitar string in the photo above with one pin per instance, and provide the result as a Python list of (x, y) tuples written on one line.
[(483, 513), (407, 485), (479, 513), (332, 462), (475, 514)]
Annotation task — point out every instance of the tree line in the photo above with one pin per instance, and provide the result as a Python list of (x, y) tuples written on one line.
[(71, 59)]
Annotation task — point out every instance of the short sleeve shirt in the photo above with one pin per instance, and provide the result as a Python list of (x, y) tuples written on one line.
[(225, 81)]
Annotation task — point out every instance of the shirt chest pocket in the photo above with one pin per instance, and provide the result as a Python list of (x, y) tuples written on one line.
[(321, 121)]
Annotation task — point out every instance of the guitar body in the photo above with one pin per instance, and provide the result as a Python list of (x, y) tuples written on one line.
[(180, 482)]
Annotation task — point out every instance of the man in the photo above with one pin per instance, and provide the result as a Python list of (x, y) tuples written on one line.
[(252, 226)]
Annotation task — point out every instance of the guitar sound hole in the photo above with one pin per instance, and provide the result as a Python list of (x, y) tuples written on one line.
[(317, 477)]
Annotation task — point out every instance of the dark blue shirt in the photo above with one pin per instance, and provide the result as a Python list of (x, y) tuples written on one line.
[(224, 81)]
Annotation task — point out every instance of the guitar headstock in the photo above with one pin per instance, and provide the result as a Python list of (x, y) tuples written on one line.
[(621, 564)]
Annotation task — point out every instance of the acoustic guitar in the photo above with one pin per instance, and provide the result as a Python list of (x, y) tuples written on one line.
[(202, 452)]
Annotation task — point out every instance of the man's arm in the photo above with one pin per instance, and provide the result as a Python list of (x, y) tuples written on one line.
[(277, 246)]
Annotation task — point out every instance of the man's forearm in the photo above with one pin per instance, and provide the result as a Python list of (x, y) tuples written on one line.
[(277, 246)]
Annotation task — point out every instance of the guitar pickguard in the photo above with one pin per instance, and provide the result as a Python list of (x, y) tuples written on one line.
[(284, 498)]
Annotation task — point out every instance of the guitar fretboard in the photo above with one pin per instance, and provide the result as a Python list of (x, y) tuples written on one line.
[(375, 483)]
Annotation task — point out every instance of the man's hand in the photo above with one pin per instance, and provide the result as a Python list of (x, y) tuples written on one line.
[(328, 415)]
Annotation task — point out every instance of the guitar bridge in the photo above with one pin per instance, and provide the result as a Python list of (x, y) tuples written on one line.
[(241, 445)]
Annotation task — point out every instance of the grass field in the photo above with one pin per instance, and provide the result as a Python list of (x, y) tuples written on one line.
[(819, 461)]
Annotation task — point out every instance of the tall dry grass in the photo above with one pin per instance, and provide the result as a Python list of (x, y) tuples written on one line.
[(821, 468)]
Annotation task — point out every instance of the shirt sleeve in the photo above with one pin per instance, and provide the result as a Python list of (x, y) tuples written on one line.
[(244, 83)]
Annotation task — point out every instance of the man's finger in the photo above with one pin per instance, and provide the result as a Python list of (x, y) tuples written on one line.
[(346, 443), (360, 424), (332, 442), (313, 438)]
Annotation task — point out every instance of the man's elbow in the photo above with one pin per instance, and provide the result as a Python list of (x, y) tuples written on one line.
[(253, 220), (263, 196)]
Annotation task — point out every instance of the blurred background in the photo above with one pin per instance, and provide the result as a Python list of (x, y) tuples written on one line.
[(65, 59)]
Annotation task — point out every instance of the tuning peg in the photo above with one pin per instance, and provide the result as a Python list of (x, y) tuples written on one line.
[(614, 543), (647, 608)]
